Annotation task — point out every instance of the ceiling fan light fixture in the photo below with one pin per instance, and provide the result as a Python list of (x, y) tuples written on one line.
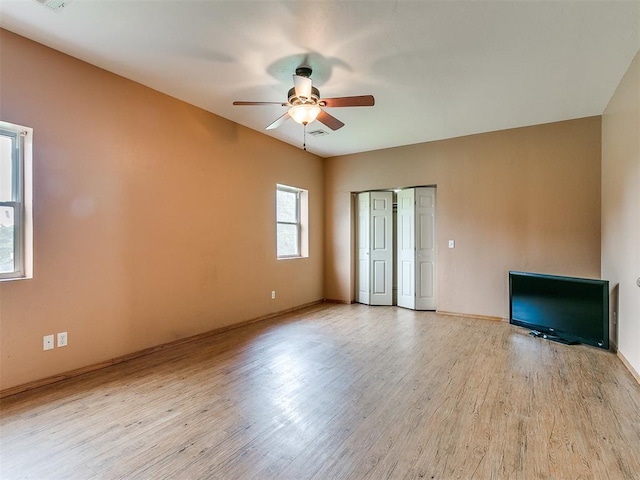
[(304, 113), (305, 104)]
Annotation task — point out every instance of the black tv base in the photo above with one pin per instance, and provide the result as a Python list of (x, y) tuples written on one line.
[(553, 338)]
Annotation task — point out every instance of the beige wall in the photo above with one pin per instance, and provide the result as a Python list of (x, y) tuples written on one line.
[(621, 209), (154, 220), (524, 199)]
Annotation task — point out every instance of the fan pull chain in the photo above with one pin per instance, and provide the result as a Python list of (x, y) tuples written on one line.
[(304, 141)]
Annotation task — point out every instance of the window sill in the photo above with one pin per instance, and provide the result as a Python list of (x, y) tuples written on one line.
[(14, 279)]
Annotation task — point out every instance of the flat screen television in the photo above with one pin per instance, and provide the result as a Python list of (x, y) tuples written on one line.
[(565, 309)]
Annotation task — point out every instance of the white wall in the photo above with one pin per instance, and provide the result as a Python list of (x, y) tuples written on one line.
[(621, 210)]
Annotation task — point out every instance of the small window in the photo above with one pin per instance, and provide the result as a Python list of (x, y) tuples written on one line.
[(15, 201), (291, 220)]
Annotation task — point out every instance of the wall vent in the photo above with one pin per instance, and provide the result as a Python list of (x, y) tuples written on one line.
[(318, 133), (55, 5)]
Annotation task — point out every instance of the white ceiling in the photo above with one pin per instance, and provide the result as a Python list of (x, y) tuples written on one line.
[(437, 69)]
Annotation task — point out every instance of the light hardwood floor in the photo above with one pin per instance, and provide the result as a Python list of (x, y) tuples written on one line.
[(338, 392)]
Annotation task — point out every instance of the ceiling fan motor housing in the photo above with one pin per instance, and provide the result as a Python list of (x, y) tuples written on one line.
[(304, 71), (295, 100)]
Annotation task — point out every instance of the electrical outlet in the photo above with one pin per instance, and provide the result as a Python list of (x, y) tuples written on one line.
[(62, 339), (273, 294), (47, 342)]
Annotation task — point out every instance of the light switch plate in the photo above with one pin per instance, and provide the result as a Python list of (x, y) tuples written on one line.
[(452, 243)]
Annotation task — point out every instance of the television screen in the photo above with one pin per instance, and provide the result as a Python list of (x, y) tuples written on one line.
[(568, 309)]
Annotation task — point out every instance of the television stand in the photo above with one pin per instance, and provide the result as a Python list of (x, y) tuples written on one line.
[(553, 338)]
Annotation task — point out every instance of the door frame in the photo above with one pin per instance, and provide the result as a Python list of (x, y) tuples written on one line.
[(354, 239)]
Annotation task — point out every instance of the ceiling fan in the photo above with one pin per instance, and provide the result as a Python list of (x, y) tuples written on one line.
[(305, 104)]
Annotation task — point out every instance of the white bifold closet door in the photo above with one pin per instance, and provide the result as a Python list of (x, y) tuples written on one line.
[(375, 248), (416, 252)]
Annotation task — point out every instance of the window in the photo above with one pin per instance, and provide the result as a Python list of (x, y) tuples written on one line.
[(15, 201), (291, 222)]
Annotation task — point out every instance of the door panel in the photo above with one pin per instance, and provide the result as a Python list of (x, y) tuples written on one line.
[(406, 281), (381, 252), (362, 239), (380, 240), (426, 228), (406, 248), (380, 283), (426, 280), (426, 248)]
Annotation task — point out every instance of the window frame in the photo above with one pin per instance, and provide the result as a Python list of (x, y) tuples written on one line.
[(300, 223), (21, 200)]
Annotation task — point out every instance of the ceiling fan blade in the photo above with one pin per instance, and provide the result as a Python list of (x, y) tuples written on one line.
[(329, 120), (261, 103), (358, 101), (302, 86), (279, 121)]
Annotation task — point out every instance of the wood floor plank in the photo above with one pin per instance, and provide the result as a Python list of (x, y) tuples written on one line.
[(337, 391)]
